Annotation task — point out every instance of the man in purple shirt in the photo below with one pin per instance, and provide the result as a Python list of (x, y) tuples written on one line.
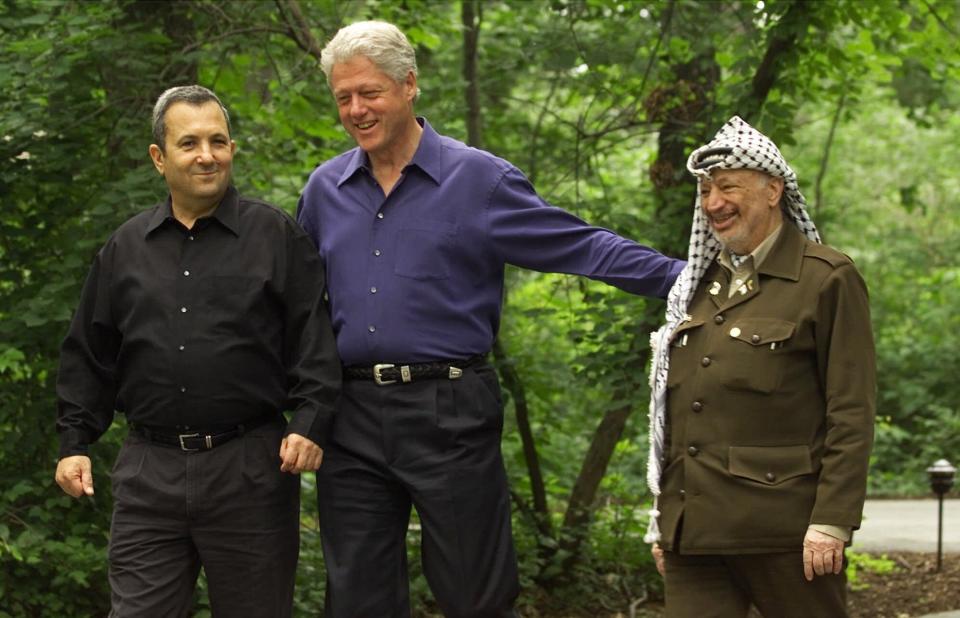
[(415, 229)]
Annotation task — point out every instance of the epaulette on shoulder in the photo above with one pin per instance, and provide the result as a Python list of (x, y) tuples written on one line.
[(827, 254)]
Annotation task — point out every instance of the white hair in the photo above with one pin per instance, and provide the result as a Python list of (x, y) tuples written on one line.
[(381, 42)]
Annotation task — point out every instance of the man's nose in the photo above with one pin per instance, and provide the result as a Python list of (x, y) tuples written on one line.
[(204, 153), (357, 108), (710, 199)]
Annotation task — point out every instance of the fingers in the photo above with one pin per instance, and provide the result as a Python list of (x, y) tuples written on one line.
[(817, 562), (288, 456), (74, 475), (299, 454), (657, 558), (86, 479), (822, 554)]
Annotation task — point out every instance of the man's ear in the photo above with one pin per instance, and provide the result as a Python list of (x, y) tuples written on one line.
[(410, 84), (156, 155), (774, 191)]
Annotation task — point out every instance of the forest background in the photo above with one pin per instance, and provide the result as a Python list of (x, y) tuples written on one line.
[(598, 102)]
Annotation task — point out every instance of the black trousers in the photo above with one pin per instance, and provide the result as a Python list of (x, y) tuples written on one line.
[(229, 510), (724, 586), (433, 444)]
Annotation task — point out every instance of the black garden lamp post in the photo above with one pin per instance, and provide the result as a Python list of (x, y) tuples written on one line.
[(941, 475)]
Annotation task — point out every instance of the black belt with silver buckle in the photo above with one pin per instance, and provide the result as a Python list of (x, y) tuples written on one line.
[(197, 439), (391, 373)]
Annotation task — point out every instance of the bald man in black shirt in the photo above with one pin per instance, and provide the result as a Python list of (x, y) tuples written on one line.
[(202, 320)]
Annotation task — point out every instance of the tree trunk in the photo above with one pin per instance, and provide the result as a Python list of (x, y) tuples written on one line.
[(471, 16)]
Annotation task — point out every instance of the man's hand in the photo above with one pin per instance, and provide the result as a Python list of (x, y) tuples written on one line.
[(299, 454), (822, 554), (74, 475), (657, 557)]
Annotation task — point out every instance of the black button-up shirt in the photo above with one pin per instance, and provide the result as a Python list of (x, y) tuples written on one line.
[(201, 328)]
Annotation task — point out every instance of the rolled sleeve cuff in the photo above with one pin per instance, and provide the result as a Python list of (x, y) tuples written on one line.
[(312, 424), (838, 532), (73, 442)]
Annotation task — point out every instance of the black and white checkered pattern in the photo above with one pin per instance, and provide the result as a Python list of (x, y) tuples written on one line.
[(736, 146)]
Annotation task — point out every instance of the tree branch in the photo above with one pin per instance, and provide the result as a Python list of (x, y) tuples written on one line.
[(783, 40), (824, 160), (298, 28), (939, 19)]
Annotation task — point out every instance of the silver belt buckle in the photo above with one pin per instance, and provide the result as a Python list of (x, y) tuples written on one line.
[(377, 377), (183, 446)]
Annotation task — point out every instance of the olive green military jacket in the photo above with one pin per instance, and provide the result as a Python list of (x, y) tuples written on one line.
[(771, 400)]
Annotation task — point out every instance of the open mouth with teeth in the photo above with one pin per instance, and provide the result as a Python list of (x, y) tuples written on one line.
[(363, 126), (723, 221)]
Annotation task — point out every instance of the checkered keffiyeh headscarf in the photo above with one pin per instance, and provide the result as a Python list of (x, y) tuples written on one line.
[(736, 146)]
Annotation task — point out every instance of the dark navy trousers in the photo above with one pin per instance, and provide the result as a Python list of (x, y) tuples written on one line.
[(434, 445)]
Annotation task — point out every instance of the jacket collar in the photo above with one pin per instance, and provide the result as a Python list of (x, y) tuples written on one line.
[(786, 256)]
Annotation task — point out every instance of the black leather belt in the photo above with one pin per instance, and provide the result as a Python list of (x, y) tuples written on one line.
[(391, 373), (197, 439)]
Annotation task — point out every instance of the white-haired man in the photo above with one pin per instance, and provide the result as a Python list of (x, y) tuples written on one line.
[(763, 401), (415, 229)]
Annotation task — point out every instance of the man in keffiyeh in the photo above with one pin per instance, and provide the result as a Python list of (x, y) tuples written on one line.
[(763, 396)]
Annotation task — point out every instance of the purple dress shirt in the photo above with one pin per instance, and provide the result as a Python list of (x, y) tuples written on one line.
[(417, 275)]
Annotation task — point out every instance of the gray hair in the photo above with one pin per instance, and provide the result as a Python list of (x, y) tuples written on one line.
[(383, 43), (194, 95)]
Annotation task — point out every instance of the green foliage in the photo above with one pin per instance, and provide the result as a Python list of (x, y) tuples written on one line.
[(858, 563)]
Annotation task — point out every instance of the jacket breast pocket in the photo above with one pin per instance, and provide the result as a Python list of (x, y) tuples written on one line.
[(425, 250), (770, 465), (682, 363), (758, 349)]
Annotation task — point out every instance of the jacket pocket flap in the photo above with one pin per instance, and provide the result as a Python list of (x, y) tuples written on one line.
[(769, 465), (685, 326), (761, 331)]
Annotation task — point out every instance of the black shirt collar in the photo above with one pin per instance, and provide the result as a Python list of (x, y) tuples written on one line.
[(227, 213)]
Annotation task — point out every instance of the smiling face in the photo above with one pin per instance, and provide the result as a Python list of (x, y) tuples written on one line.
[(742, 207), (197, 157), (376, 110)]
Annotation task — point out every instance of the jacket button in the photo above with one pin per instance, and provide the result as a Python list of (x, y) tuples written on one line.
[(705, 361), (694, 451), (682, 493), (755, 338), (771, 476), (718, 319), (696, 406)]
